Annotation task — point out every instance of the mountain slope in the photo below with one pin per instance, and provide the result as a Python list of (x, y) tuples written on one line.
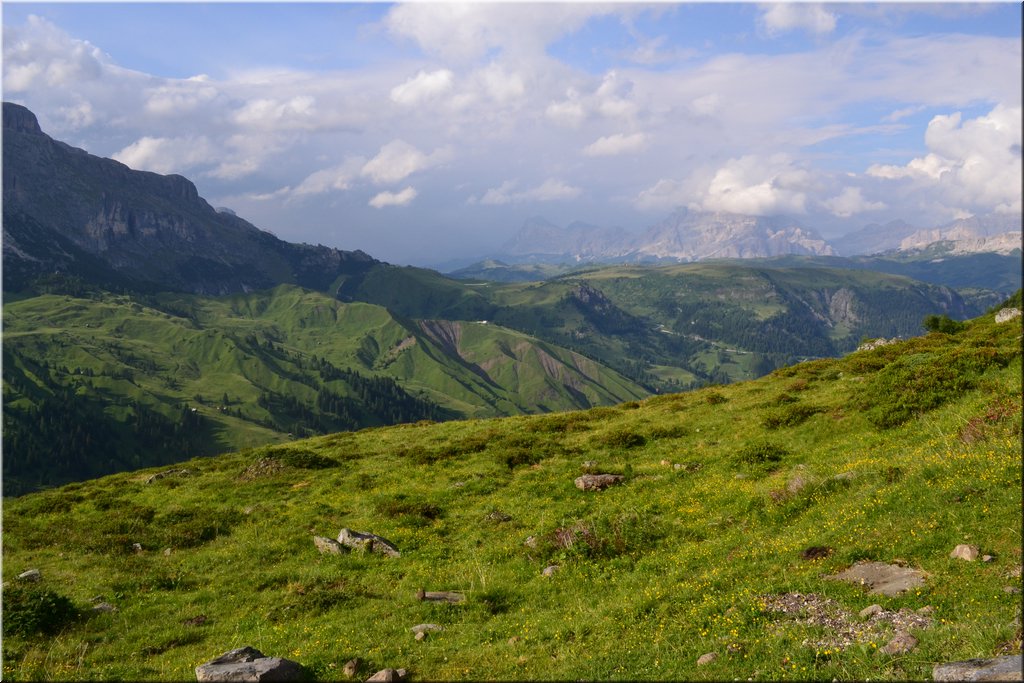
[(96, 219), (147, 380), (737, 505)]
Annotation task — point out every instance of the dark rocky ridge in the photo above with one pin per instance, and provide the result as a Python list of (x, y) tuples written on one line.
[(70, 212)]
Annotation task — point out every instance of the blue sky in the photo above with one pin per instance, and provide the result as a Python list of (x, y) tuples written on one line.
[(422, 133)]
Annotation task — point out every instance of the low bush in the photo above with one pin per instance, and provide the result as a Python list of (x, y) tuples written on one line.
[(760, 453), (30, 610), (788, 416)]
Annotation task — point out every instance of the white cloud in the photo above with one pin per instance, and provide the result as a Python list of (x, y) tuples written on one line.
[(398, 160), (568, 113), (177, 97), (849, 202), (43, 55), (780, 17), (501, 85), (338, 177), (402, 198), (613, 145), (424, 86), (550, 190), (974, 163), (167, 155), (296, 112)]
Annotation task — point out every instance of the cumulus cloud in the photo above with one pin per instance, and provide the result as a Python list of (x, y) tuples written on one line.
[(174, 98), (550, 190), (276, 114), (781, 17), (398, 160), (975, 163), (402, 198), (167, 155), (849, 202), (46, 56), (424, 86), (613, 145), (338, 177)]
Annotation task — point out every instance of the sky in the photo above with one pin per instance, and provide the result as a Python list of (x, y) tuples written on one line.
[(429, 133)]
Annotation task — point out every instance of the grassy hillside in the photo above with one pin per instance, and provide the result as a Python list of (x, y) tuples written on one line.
[(145, 380), (734, 500)]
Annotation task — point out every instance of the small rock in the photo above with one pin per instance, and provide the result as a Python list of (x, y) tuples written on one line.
[(499, 516), (551, 570), (421, 635), (30, 575), (1006, 668), (443, 596), (734, 648), (513, 640), (845, 476), (589, 465), (388, 676), (1011, 590), (197, 620), (421, 594), (884, 579), (530, 542), (351, 667), (425, 628), (97, 598), (816, 552), (741, 475), (987, 558), (665, 463), (167, 552), (926, 610), (137, 547), (597, 482), (965, 552), (328, 546), (870, 611), (1006, 314), (901, 644), (707, 658), (104, 607), (367, 542), (677, 466), (248, 664)]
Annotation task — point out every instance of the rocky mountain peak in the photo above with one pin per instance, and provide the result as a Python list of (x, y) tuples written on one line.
[(20, 119)]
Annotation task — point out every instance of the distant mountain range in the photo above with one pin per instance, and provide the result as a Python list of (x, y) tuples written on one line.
[(687, 236)]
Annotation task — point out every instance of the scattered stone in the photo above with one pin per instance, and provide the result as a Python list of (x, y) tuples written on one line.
[(367, 542), (104, 607), (137, 547), (30, 575), (965, 552), (442, 596), (167, 552), (248, 664), (816, 552), (1006, 314), (421, 635), (900, 645), (328, 546), (170, 473), (741, 475), (734, 648), (869, 611), (707, 658), (1014, 573), (388, 676), (796, 485), (424, 628), (883, 579), (530, 542), (351, 667), (589, 465), (513, 640), (666, 463), (499, 516), (1006, 668), (987, 558), (97, 598), (845, 476), (197, 620), (926, 610), (597, 482), (1011, 590), (876, 343), (551, 570)]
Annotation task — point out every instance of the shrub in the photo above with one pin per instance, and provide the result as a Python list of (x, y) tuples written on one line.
[(713, 398), (760, 453), (303, 459), (942, 323), (788, 416), (32, 610), (621, 438), (411, 511)]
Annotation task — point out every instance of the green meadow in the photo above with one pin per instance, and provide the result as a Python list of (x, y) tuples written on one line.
[(732, 498)]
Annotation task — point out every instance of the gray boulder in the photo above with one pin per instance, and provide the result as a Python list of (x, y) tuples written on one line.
[(367, 542), (30, 575), (884, 579), (597, 482), (1006, 668), (388, 676), (328, 546), (248, 664)]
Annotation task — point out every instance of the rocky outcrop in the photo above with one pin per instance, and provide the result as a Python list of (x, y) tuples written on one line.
[(1007, 314), (367, 542), (1006, 668), (248, 664)]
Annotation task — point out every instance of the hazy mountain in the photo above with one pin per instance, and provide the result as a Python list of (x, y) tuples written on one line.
[(69, 212), (541, 240), (998, 233), (874, 238)]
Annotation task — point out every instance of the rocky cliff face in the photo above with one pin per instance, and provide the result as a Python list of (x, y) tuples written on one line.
[(70, 212)]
